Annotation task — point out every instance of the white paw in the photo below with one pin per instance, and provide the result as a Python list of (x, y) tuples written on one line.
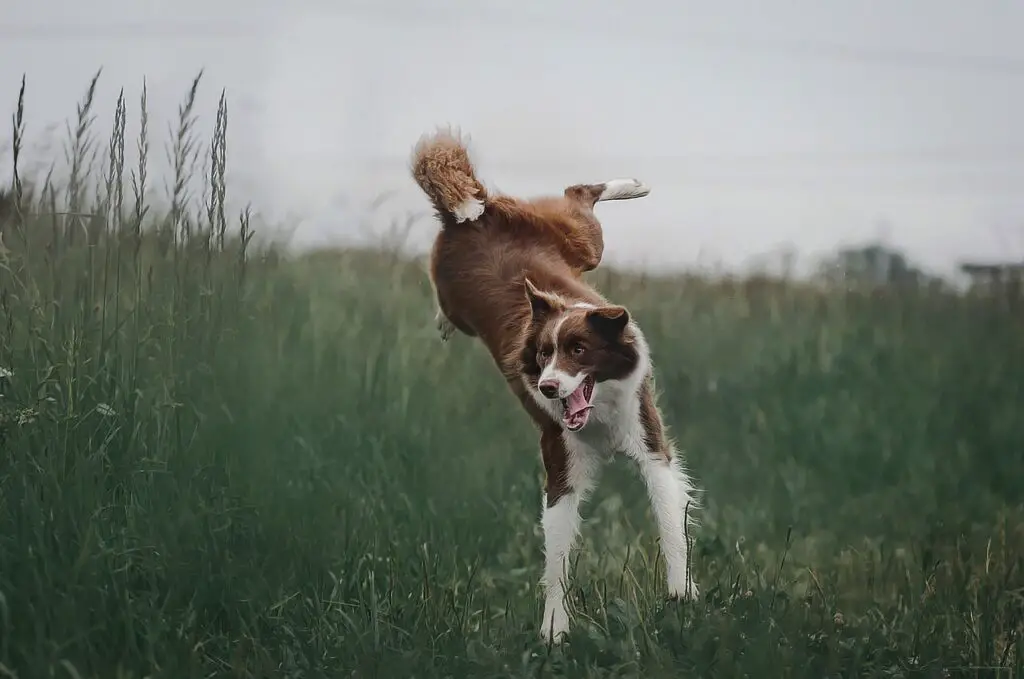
[(555, 624), (444, 327), (682, 589), (623, 189)]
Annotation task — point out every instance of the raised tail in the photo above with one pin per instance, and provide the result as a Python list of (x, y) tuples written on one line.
[(442, 168)]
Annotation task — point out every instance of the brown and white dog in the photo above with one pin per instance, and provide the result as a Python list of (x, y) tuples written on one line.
[(508, 271)]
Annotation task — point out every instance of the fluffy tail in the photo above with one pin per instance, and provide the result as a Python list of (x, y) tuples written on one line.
[(441, 167)]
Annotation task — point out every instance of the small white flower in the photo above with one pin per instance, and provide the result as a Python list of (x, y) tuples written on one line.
[(105, 410), (5, 373)]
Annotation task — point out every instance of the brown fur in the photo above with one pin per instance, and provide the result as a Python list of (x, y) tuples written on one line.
[(479, 270), (593, 340), (509, 271), (442, 169), (650, 416)]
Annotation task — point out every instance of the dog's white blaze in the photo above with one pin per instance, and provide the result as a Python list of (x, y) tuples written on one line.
[(566, 383), (470, 209), (623, 189)]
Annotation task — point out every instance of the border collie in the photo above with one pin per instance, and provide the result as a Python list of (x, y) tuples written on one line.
[(508, 271)]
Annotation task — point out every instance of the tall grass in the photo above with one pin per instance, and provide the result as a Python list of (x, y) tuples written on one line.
[(221, 461)]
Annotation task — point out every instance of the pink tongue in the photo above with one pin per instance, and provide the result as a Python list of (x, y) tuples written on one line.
[(577, 402)]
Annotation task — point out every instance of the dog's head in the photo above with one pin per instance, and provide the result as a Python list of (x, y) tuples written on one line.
[(572, 348)]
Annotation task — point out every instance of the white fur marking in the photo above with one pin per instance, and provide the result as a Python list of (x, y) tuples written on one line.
[(469, 210), (561, 524), (670, 491), (623, 189), (566, 383), (445, 327)]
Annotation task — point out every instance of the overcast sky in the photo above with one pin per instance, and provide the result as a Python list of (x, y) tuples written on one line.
[(759, 124)]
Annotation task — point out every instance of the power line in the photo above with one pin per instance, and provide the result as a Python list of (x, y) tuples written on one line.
[(743, 43), (888, 56), (922, 171), (1003, 155), (885, 179), (136, 30), (924, 187)]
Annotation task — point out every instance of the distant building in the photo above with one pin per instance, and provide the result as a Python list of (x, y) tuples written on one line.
[(994, 278), (873, 264), (993, 272)]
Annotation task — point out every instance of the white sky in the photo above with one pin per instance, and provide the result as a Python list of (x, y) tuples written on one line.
[(758, 123)]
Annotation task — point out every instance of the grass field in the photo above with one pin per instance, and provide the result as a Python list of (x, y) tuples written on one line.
[(220, 461)]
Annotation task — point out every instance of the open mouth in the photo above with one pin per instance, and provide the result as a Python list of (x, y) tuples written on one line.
[(576, 407)]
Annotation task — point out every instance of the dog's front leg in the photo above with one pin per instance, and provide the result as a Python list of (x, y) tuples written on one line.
[(671, 493), (570, 477)]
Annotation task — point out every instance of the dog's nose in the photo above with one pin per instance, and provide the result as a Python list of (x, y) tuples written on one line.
[(549, 388)]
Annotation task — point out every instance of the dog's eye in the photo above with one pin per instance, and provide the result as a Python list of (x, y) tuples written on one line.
[(544, 354), (578, 349)]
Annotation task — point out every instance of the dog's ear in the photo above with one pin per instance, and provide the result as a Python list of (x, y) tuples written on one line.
[(541, 303), (608, 321)]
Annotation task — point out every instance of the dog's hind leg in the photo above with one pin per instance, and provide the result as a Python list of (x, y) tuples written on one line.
[(447, 323), (613, 189), (445, 328), (588, 236)]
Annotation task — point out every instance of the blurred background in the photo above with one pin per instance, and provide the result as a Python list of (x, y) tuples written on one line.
[(221, 458), (765, 129)]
